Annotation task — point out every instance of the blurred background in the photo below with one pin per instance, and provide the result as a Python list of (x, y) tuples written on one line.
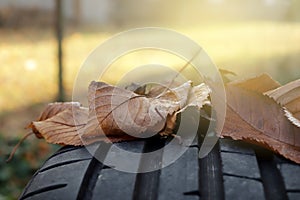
[(248, 37)]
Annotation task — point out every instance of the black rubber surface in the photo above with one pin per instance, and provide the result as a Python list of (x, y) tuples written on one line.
[(232, 170)]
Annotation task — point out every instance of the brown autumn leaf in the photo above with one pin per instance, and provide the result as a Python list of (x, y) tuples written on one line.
[(59, 123), (256, 118), (288, 96), (114, 111)]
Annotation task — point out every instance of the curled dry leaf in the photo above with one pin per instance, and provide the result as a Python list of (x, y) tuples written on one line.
[(288, 96), (116, 114), (59, 123), (114, 111), (256, 112), (254, 117)]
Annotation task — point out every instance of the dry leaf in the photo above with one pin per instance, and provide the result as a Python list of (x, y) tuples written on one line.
[(259, 84), (59, 123), (114, 111), (253, 117), (258, 111), (288, 96)]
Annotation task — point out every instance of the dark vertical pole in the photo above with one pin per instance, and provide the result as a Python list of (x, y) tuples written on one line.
[(59, 36), (77, 13)]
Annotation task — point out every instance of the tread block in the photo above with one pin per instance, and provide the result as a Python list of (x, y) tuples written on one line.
[(110, 181), (57, 194), (240, 165), (291, 176), (73, 155), (281, 160), (64, 149), (114, 185), (240, 188), (63, 173), (125, 155), (72, 175), (132, 146), (180, 178), (294, 196), (235, 147)]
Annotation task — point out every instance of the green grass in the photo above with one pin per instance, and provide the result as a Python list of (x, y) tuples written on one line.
[(15, 174)]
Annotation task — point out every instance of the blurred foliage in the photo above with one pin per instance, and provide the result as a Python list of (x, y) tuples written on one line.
[(245, 48), (15, 174)]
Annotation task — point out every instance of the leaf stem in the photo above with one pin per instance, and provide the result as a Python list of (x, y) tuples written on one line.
[(183, 68), (17, 146)]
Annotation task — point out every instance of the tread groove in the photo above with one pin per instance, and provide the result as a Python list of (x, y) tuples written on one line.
[(192, 193), (62, 164), (243, 153), (211, 184), (271, 177), (108, 167), (44, 189), (147, 184), (194, 146), (91, 175), (293, 191), (244, 177)]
